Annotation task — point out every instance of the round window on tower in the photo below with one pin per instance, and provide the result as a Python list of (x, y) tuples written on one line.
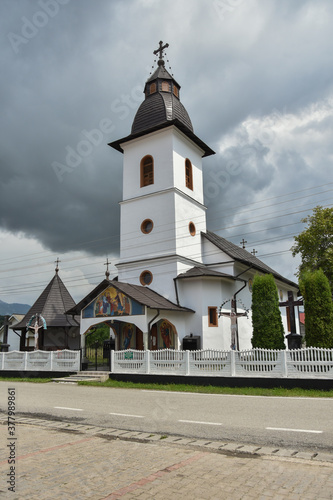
[(191, 228), (147, 226), (146, 278)]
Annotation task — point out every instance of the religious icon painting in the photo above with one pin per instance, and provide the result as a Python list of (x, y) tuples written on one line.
[(166, 335), (111, 302)]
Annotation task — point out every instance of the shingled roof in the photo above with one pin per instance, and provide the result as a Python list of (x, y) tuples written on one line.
[(142, 294), (52, 304), (160, 109), (243, 256), (198, 272)]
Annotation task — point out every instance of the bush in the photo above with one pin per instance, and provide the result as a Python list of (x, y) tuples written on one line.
[(268, 332), (318, 308)]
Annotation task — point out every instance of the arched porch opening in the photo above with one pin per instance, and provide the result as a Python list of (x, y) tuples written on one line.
[(163, 335), (127, 335)]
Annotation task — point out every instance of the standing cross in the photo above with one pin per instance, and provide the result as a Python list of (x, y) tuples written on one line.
[(107, 274), (243, 243), (233, 315), (289, 304), (57, 264), (160, 50), (254, 252)]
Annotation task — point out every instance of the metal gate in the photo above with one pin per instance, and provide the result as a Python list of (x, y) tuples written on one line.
[(96, 357)]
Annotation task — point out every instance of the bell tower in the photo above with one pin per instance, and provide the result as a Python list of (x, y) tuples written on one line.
[(162, 213)]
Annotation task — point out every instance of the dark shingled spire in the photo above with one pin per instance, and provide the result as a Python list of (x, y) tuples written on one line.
[(161, 108), (52, 304)]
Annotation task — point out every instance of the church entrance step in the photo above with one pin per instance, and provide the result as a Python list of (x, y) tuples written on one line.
[(83, 376)]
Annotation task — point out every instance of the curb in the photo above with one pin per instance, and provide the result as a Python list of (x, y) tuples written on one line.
[(225, 448)]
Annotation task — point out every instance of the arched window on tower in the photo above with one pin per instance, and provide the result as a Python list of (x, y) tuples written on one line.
[(165, 87), (188, 174), (147, 171)]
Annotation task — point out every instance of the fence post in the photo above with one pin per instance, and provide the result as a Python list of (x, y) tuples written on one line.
[(52, 356), (187, 362), (26, 361), (284, 366), (112, 361), (147, 355), (233, 363)]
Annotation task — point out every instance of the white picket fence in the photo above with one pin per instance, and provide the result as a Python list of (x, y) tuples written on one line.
[(302, 363), (41, 361)]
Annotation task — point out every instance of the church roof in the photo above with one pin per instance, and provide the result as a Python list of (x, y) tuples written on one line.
[(243, 256), (142, 294), (200, 271), (161, 108), (52, 304)]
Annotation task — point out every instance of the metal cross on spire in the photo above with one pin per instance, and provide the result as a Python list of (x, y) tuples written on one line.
[(243, 243), (107, 273), (57, 265), (160, 51)]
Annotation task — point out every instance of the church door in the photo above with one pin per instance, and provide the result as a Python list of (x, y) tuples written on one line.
[(154, 338), (139, 339)]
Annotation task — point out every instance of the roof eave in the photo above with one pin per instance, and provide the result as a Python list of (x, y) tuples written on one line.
[(177, 123)]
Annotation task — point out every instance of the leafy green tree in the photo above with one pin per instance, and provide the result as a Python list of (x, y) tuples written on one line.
[(315, 243), (97, 334), (268, 332), (318, 308)]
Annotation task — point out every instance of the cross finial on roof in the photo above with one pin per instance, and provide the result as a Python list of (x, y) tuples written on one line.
[(57, 265), (254, 252), (160, 51), (107, 274), (243, 243)]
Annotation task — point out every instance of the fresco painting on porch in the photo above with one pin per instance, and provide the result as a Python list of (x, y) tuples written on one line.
[(166, 333), (112, 303)]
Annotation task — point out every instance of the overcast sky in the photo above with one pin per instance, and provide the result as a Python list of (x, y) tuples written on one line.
[(256, 80)]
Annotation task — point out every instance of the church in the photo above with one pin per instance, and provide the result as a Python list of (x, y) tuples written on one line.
[(179, 285)]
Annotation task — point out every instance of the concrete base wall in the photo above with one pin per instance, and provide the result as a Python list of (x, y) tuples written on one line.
[(286, 383)]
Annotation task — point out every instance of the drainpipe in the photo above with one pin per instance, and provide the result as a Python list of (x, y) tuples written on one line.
[(150, 322), (176, 290), (234, 302)]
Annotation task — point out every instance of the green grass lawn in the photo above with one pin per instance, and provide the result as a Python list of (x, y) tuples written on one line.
[(245, 391)]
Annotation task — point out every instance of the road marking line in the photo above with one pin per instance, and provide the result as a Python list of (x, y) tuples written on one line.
[(126, 415), (292, 430), (297, 398), (65, 408), (196, 422)]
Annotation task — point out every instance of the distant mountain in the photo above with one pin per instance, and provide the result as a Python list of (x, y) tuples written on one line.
[(13, 308)]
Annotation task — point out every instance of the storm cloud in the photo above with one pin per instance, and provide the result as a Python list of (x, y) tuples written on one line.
[(256, 80)]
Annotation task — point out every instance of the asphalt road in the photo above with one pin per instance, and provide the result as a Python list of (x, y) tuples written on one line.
[(300, 423)]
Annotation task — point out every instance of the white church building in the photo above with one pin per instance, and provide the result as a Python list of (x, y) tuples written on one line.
[(179, 285)]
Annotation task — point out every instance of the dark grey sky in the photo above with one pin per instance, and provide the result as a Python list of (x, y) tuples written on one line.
[(256, 79)]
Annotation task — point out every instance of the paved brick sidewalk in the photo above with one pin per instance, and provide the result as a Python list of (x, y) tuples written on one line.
[(91, 463)]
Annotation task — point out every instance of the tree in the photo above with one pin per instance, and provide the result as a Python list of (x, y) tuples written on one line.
[(268, 332), (315, 243), (318, 308), (98, 334)]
